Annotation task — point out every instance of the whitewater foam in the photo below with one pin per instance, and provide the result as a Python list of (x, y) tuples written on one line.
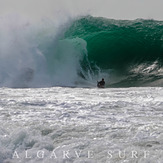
[(81, 125)]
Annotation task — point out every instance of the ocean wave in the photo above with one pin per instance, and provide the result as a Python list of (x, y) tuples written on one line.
[(78, 53)]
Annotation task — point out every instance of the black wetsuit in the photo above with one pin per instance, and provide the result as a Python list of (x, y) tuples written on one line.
[(101, 83)]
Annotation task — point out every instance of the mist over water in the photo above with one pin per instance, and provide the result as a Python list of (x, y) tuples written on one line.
[(31, 55), (38, 55)]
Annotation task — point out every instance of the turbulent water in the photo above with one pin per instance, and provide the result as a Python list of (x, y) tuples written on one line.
[(80, 52), (81, 125), (50, 108)]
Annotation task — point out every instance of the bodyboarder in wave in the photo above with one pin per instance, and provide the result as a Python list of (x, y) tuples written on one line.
[(101, 84)]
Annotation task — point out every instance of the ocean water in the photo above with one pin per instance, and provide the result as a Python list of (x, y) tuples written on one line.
[(81, 51), (81, 125), (50, 108)]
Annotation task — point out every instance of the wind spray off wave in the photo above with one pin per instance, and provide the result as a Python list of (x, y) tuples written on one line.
[(125, 53), (38, 56)]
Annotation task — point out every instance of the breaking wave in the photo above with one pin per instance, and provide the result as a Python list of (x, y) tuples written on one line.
[(125, 53)]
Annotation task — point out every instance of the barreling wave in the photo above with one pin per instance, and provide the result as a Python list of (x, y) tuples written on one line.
[(125, 53), (131, 50)]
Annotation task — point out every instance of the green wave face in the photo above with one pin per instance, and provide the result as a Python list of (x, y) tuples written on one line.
[(119, 43), (125, 53)]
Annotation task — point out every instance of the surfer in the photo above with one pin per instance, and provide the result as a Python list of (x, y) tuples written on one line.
[(101, 84)]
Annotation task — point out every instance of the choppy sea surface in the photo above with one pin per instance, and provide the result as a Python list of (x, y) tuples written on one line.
[(81, 125)]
